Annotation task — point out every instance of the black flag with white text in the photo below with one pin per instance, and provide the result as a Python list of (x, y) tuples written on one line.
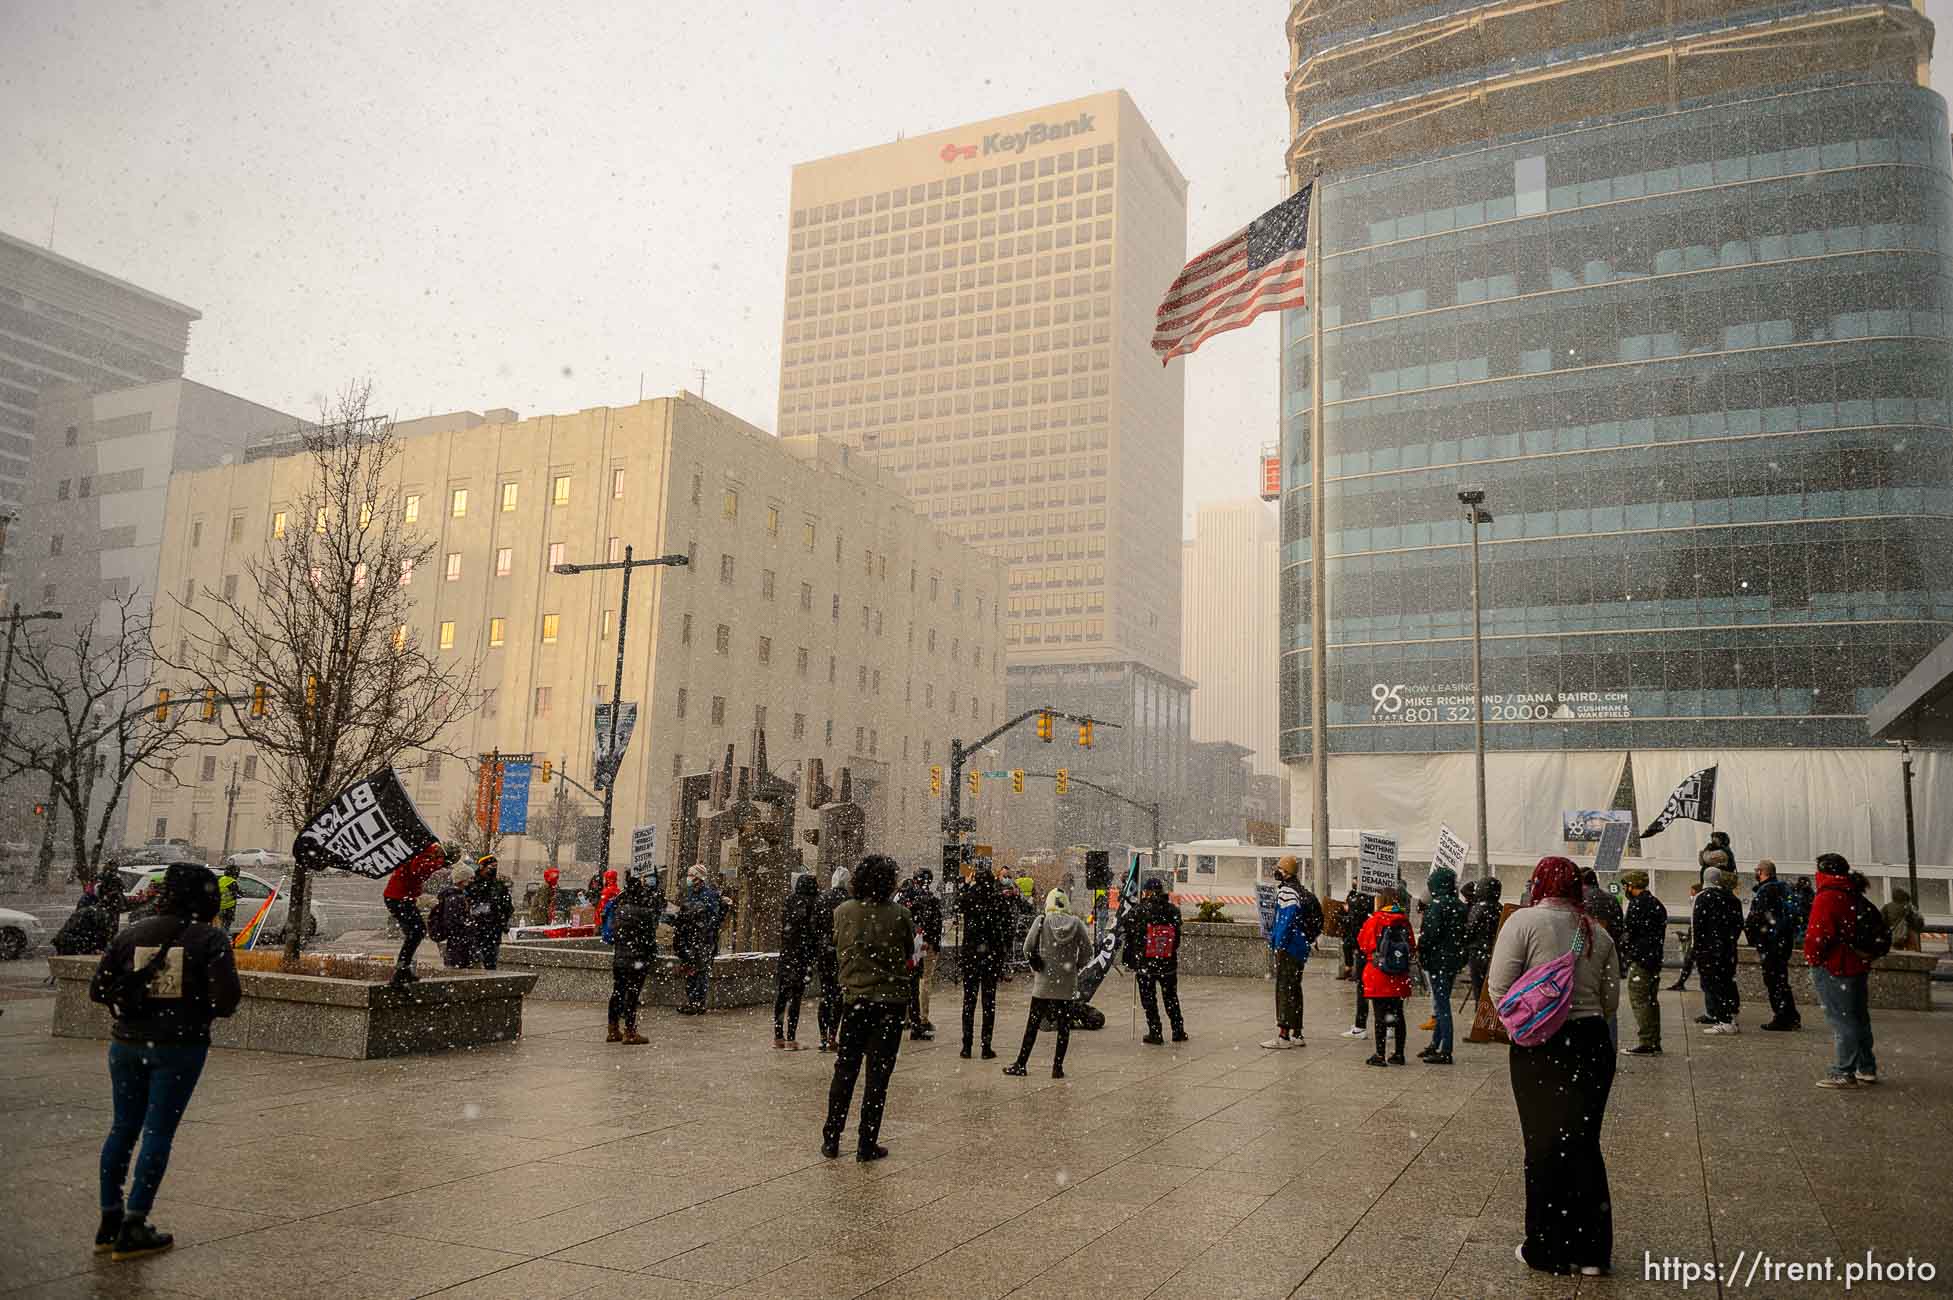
[(371, 828), (1694, 800)]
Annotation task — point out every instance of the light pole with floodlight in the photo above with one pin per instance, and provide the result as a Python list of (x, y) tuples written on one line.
[(1473, 499)]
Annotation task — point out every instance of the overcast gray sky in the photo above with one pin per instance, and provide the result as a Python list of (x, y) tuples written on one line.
[(528, 204)]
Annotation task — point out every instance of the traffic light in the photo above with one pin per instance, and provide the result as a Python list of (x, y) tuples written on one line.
[(976, 784), (163, 704), (1017, 780), (1044, 727), (312, 690), (935, 779), (260, 700), (1064, 780), (548, 769), (1085, 734), (40, 810), (209, 703)]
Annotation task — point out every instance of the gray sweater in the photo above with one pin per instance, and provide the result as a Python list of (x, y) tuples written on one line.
[(1059, 939), (1535, 935)]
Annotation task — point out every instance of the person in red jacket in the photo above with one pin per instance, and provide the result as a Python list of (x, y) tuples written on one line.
[(401, 897), (1840, 974), (1388, 946)]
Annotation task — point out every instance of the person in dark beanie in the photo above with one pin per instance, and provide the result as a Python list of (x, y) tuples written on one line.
[(1644, 933), (799, 933), (874, 941), (491, 906), (1841, 970), (1716, 855), (1718, 923), (1357, 906), (1153, 955), (635, 914), (165, 978), (825, 962), (985, 905), (1441, 946), (919, 896), (1687, 939), (1481, 932), (1772, 931)]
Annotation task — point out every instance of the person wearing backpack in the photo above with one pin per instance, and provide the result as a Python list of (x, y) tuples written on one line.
[(1388, 948), (633, 934), (1056, 946), (1442, 944), (1903, 920), (1298, 923), (1770, 930), (1153, 955), (1561, 1082), (448, 924), (165, 978), (1845, 936)]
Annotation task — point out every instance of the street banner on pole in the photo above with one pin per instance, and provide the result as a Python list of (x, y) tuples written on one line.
[(1613, 843), (514, 809), (644, 847), (1376, 862), (369, 830), (1694, 800), (1451, 851), (608, 761)]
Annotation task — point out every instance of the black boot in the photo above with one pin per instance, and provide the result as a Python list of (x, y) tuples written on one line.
[(1016, 1070), (965, 1053), (111, 1227), (137, 1239)]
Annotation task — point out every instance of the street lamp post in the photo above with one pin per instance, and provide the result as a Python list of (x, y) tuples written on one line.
[(617, 687), (230, 811), (1912, 843), (1473, 499)]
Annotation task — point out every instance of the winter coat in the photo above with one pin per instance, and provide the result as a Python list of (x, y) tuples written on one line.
[(1605, 910), (1543, 931), (873, 943), (1443, 938), (196, 983), (1151, 910), (87, 930), (1482, 920), (634, 930), (1902, 920), (985, 906), (486, 919), (1718, 921), (1716, 853), (1376, 984), (1644, 930), (927, 910), (1298, 917), (1827, 939), (697, 939), (799, 932), (1769, 927), (608, 892), (1060, 941), (824, 906), (1801, 898), (409, 879), (1357, 910), (449, 925)]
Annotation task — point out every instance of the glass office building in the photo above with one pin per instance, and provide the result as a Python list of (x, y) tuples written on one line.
[(1697, 355)]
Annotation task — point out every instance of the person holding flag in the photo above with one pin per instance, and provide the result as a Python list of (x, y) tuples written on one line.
[(402, 899)]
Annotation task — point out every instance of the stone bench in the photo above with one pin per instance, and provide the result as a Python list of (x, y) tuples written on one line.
[(1901, 981), (578, 970), (313, 1015)]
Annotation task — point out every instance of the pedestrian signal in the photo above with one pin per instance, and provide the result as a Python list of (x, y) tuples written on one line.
[(1017, 780)]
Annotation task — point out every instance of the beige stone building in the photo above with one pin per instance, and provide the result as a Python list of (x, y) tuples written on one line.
[(973, 307), (817, 602)]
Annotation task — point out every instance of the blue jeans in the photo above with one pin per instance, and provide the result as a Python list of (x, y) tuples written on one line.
[(1441, 986), (1847, 1009), (697, 985), (151, 1087)]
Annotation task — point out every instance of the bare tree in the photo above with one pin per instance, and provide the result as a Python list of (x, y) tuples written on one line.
[(465, 825), (92, 711), (314, 659)]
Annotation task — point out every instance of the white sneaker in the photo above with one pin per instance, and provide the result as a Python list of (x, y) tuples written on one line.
[(1354, 1032), (1297, 1042), (1277, 1044), (1867, 1076), (1724, 1027)]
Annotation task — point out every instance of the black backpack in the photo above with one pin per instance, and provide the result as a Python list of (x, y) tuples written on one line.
[(126, 993), (1870, 938), (1393, 955)]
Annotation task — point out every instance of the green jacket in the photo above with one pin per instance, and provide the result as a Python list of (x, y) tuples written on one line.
[(872, 942)]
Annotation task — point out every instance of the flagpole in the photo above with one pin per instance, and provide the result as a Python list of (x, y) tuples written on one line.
[(1318, 560)]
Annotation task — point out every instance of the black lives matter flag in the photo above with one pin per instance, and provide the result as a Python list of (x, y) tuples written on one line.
[(1694, 800), (369, 830)]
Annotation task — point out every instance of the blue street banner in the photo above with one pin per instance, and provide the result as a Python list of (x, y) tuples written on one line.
[(513, 814)]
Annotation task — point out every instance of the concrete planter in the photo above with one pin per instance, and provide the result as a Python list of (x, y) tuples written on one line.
[(1901, 981), (310, 1015), (578, 970)]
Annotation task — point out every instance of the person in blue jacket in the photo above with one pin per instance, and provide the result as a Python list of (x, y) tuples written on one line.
[(1298, 924)]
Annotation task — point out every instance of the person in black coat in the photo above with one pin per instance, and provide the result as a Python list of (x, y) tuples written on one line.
[(825, 959), (491, 906), (1772, 930), (986, 907), (1152, 952), (1644, 936), (86, 931), (1357, 906), (919, 896), (1481, 931), (1718, 923), (635, 914), (158, 1044), (110, 896), (800, 932)]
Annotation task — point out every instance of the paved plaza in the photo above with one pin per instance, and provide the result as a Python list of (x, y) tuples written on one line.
[(562, 1166)]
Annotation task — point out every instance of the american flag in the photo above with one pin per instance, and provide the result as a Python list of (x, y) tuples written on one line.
[(1262, 267)]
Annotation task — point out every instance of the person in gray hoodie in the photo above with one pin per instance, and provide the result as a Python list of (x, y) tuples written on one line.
[(1056, 945)]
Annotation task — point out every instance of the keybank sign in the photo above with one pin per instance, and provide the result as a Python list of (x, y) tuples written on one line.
[(1014, 142)]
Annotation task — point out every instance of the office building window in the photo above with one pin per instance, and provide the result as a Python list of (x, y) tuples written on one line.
[(617, 485), (497, 631), (684, 697), (725, 570), (490, 703), (447, 636), (766, 649), (541, 708), (766, 584), (799, 726), (556, 554), (504, 561), (411, 512), (722, 639), (773, 520), (807, 597), (458, 503), (551, 623), (278, 519), (559, 490), (800, 661), (509, 491), (729, 504), (685, 631), (807, 534), (614, 550), (453, 566), (604, 623), (718, 710)]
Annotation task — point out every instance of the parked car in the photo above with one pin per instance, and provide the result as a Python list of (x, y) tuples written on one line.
[(20, 933), (251, 893), (260, 858)]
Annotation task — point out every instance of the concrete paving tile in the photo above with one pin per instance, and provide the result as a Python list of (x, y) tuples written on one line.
[(731, 1263), (97, 1286), (535, 1279), (643, 1286)]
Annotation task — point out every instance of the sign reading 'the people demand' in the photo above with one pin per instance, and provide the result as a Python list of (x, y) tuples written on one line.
[(1376, 862)]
